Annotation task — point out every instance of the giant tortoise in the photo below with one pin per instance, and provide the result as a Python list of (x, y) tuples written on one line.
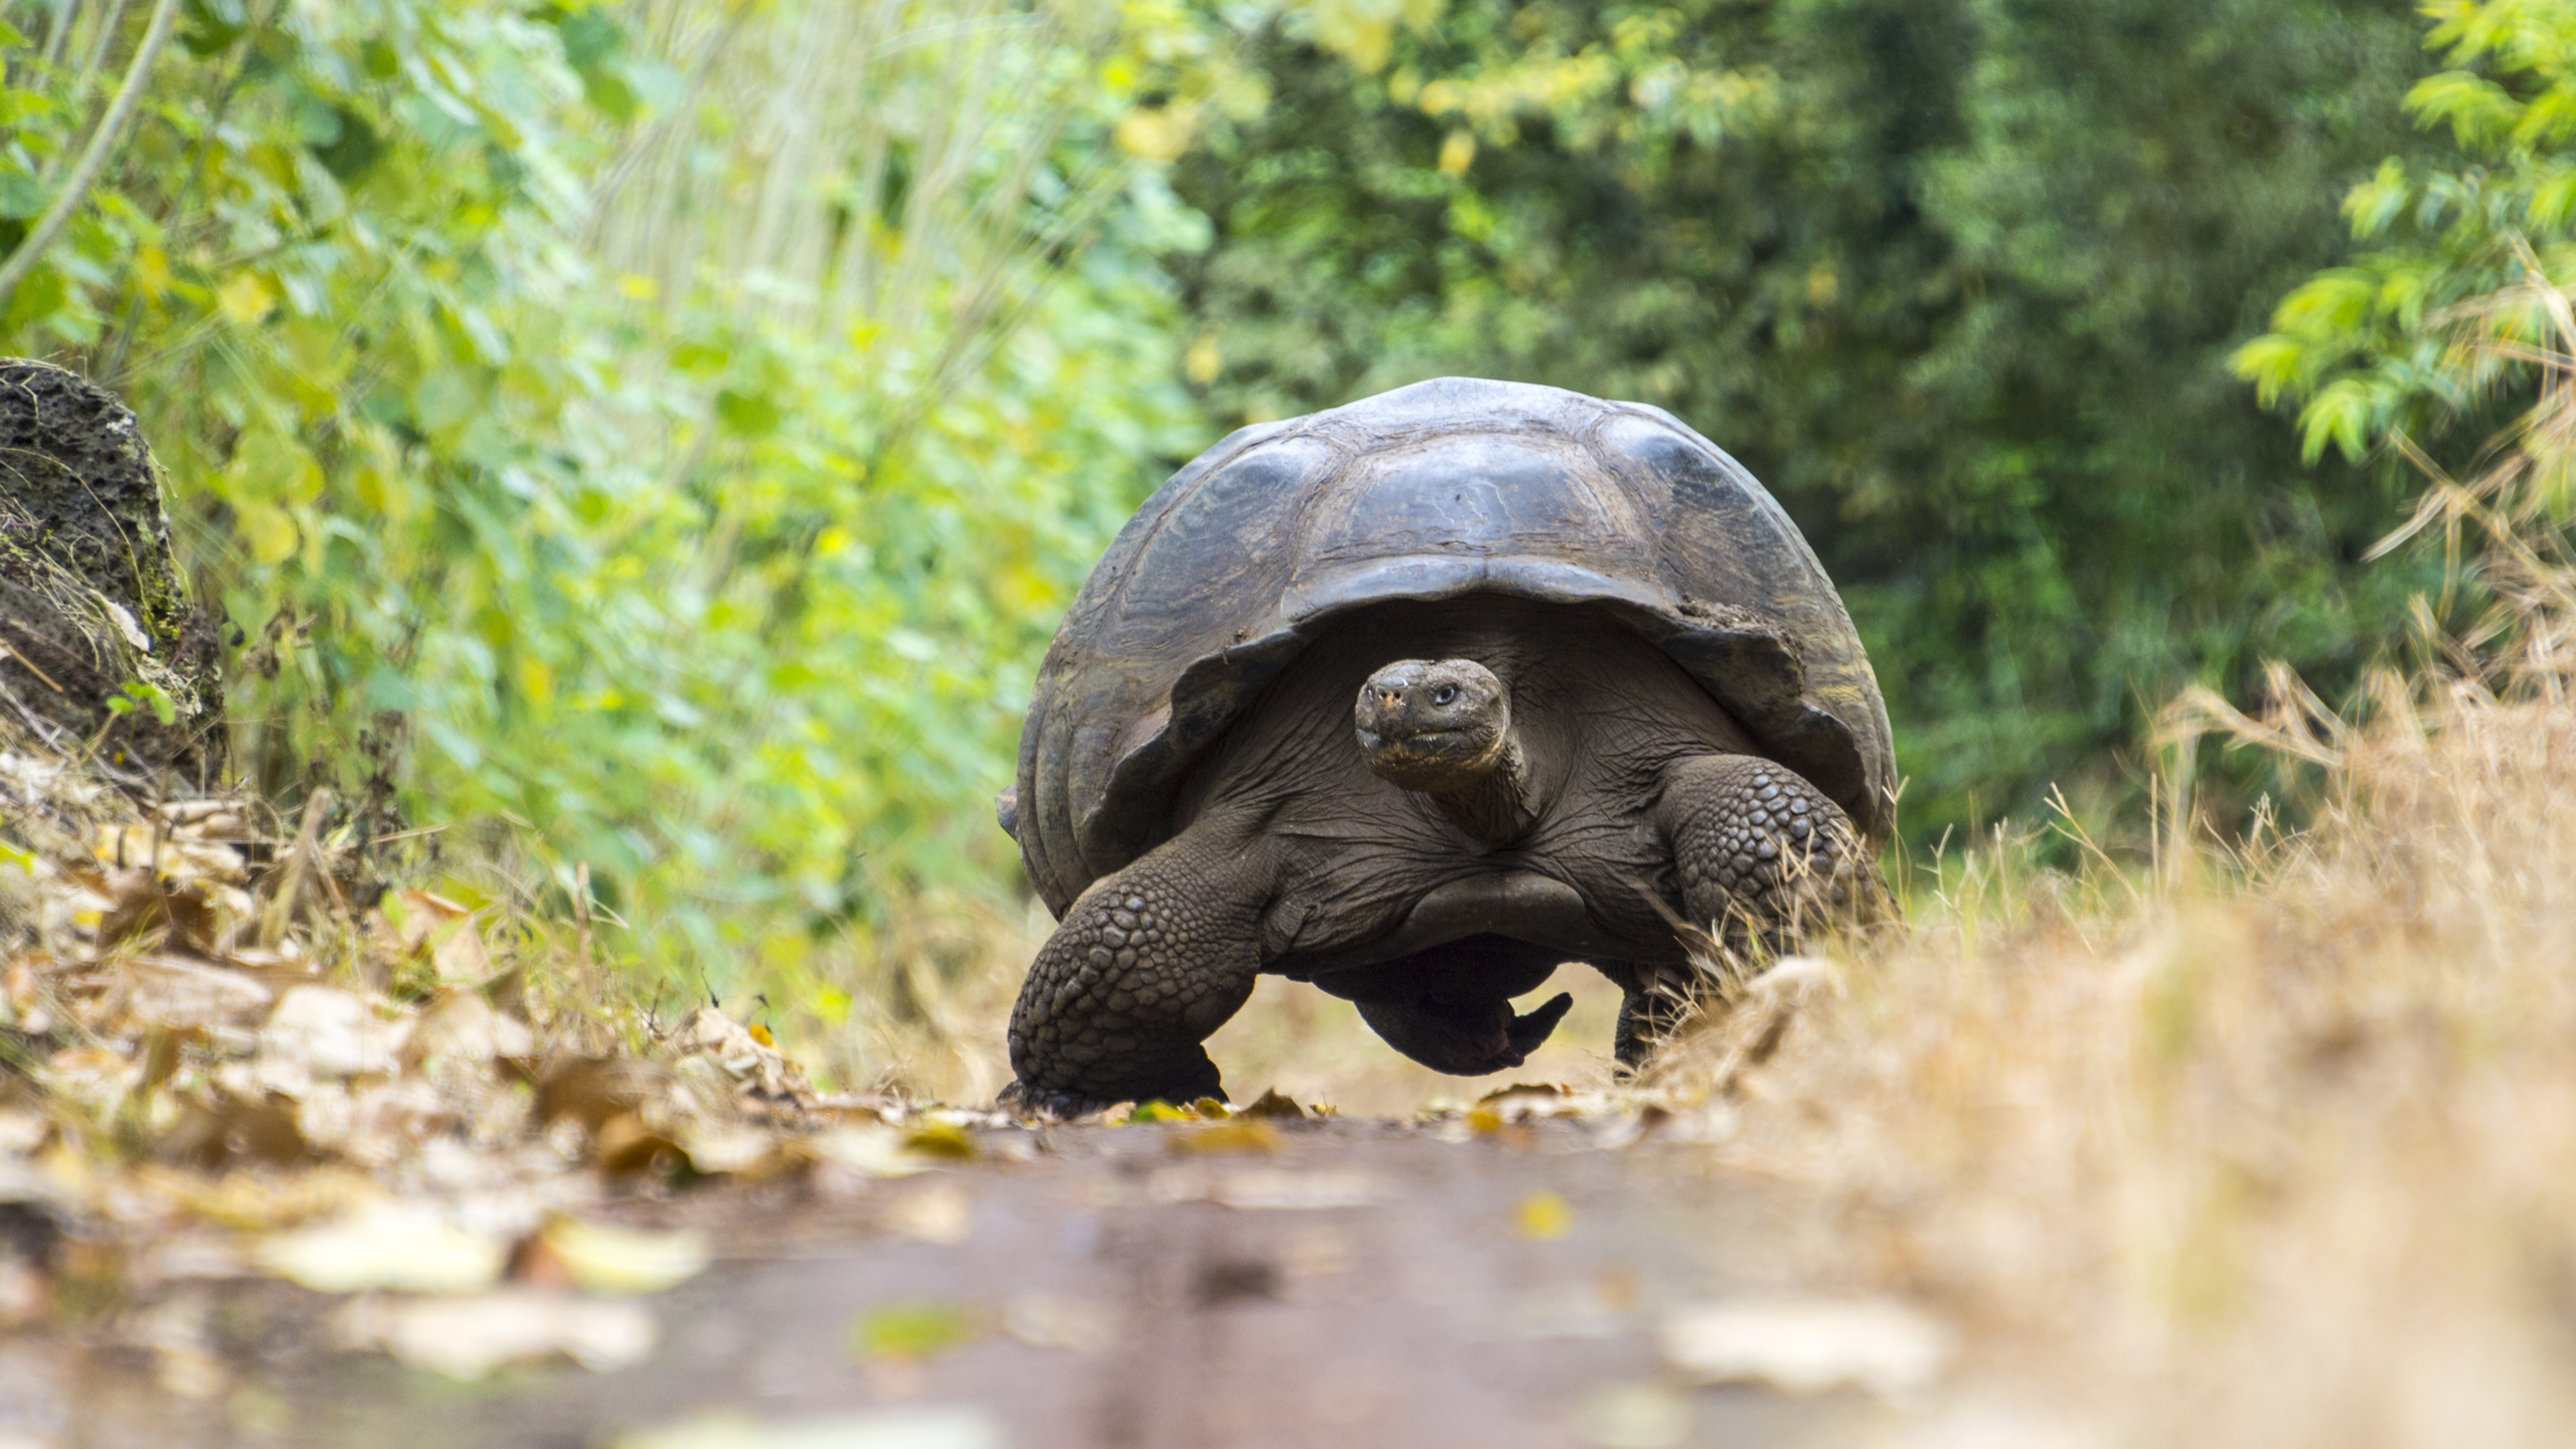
[(1419, 699)]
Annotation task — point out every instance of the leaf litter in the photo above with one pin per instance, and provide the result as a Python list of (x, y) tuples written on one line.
[(230, 1053)]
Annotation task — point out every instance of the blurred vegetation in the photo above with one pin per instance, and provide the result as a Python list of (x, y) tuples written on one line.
[(684, 421), (661, 435), (1959, 280), (2447, 313)]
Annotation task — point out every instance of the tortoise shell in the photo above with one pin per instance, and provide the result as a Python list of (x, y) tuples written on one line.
[(1449, 487)]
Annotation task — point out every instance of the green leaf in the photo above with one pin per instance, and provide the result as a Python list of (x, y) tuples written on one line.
[(2340, 414), (353, 148), (213, 25), (591, 35), (2375, 203), (21, 196), (910, 1331), (2479, 111), (749, 415), (2330, 304), (2272, 363)]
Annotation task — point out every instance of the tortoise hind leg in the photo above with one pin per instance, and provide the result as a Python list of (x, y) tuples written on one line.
[(1463, 1038), (1145, 966), (1449, 1006), (1655, 1002)]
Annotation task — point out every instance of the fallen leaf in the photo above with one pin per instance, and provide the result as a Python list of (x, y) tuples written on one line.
[(868, 1150), (26, 1295), (381, 1124), (939, 1213), (1543, 1215), (945, 1140), (883, 1429), (90, 1074), (464, 1027), (332, 1033), (232, 1131), (910, 1331), (1633, 1416), (446, 930), (1273, 1104), (627, 1144), (1805, 1345), (1247, 1136), (748, 1058), (603, 1258), (22, 1132), (715, 1149), (168, 853), (384, 1246), (466, 1338), (166, 992), (1043, 1320), (593, 1090)]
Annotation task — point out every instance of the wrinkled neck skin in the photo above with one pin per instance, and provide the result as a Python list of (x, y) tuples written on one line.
[(1494, 805)]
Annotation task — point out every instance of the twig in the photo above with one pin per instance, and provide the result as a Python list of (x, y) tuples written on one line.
[(281, 908), (61, 28), (31, 666), (103, 140), (581, 927)]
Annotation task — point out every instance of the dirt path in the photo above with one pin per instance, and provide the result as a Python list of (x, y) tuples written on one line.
[(1324, 1282)]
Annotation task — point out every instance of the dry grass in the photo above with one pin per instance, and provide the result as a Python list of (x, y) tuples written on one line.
[(2281, 1152)]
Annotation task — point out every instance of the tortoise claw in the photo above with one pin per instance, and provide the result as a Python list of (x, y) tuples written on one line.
[(1526, 1033)]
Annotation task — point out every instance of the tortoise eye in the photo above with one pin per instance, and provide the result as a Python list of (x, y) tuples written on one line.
[(1445, 694)]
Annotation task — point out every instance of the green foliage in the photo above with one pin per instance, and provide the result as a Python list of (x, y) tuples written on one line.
[(2432, 324), (696, 480), (1959, 280)]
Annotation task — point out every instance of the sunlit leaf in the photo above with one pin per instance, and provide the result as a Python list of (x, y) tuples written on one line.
[(911, 1331), (1543, 1215)]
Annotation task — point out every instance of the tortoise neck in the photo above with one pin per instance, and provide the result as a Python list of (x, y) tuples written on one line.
[(1494, 806)]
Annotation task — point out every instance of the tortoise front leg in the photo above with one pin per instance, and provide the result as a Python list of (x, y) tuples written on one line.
[(1146, 965), (1761, 854)]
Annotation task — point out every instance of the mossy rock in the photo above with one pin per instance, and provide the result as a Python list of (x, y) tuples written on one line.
[(102, 652)]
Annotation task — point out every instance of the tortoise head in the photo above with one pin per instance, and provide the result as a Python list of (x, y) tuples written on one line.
[(1435, 725)]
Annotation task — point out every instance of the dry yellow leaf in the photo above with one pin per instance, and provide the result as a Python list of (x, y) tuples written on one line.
[(605, 1258), (245, 297), (1543, 1215)]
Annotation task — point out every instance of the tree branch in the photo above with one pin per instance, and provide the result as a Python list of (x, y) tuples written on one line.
[(103, 140)]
